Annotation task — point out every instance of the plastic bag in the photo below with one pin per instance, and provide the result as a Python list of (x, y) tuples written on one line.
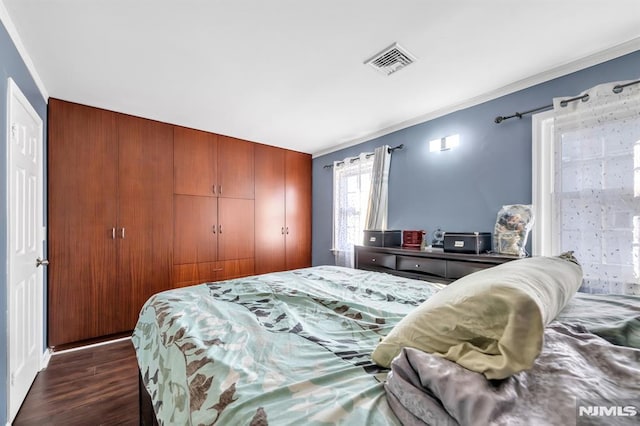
[(512, 229)]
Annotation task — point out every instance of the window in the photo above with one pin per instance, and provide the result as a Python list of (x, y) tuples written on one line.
[(351, 185), (586, 179)]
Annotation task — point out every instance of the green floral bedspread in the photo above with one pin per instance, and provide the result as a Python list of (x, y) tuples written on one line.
[(284, 348)]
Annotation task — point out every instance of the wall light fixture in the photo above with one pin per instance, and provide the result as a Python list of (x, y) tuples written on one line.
[(444, 144)]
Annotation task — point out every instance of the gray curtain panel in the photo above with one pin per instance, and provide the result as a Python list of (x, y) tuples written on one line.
[(379, 193)]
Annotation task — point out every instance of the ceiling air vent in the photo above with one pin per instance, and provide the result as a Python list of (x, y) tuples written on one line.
[(391, 59)]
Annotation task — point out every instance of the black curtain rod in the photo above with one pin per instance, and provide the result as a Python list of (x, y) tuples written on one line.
[(368, 154), (584, 98)]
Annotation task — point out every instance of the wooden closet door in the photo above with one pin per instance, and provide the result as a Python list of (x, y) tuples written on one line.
[(82, 168), (235, 229), (298, 209), (145, 211), (195, 237), (270, 209), (195, 166), (235, 168)]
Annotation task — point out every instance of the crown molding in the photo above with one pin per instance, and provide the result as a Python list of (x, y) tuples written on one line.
[(6, 20), (559, 71)]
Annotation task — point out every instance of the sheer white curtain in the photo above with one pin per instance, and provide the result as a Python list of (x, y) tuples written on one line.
[(351, 186), (595, 208), (377, 209)]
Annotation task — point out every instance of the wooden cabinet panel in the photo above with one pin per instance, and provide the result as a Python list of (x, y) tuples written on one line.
[(145, 214), (198, 273), (195, 165), (195, 273), (235, 168), (298, 210), (270, 209), (235, 228), (195, 229), (82, 176), (236, 269)]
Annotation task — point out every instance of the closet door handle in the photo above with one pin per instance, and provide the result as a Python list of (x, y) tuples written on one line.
[(214, 189), (219, 189), (122, 233), (282, 230), (287, 230), (219, 229), (214, 229), (113, 233)]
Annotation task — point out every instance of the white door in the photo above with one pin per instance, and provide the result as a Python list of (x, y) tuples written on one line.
[(25, 245)]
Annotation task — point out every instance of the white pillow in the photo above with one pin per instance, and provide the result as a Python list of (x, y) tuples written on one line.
[(491, 321)]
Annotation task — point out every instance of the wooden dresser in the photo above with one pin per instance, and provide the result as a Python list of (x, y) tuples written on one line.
[(430, 265)]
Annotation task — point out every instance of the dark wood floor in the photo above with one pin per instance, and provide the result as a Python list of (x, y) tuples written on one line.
[(92, 386)]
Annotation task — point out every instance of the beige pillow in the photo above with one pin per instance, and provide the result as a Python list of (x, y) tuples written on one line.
[(491, 321)]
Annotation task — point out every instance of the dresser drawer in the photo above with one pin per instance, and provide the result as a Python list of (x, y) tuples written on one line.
[(436, 267), (380, 260), (457, 269), (428, 265)]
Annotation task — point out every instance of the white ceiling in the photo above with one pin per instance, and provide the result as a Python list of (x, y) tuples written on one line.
[(290, 73)]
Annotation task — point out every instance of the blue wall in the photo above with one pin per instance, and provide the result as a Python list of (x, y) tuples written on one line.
[(462, 189), (11, 65)]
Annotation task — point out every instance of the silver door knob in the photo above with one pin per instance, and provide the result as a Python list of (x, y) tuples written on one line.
[(40, 262)]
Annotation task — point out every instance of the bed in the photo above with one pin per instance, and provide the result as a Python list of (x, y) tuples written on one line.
[(295, 347)]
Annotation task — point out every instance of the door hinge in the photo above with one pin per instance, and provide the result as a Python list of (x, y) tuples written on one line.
[(14, 130), (13, 379)]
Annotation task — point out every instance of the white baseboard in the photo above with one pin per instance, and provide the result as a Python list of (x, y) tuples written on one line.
[(45, 358), (93, 345)]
